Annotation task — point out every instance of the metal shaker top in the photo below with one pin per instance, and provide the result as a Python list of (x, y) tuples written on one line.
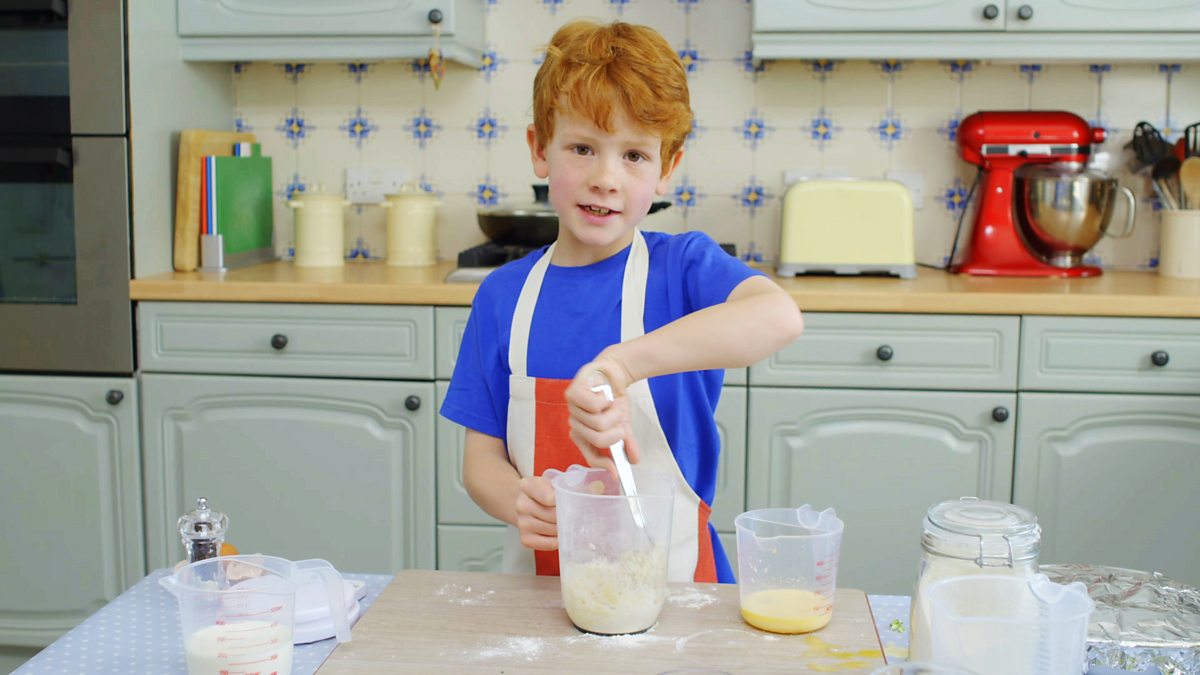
[(203, 531)]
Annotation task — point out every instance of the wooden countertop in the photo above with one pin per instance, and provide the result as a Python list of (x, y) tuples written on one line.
[(470, 622), (1143, 294)]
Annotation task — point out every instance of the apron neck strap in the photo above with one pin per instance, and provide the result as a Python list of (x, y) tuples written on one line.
[(633, 302)]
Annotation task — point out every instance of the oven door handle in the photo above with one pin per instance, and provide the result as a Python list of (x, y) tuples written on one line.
[(54, 155), (55, 7)]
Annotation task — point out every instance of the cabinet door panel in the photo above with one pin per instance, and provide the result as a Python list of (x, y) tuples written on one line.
[(1113, 479), (881, 459), (333, 469), (730, 498), (70, 492), (471, 548)]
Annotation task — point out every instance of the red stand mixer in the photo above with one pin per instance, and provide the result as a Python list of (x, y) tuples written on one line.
[(1006, 238)]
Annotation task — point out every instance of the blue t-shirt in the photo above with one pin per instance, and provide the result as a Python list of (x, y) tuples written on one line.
[(578, 315)]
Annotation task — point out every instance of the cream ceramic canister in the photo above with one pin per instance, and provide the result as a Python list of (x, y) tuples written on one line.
[(411, 237), (319, 223)]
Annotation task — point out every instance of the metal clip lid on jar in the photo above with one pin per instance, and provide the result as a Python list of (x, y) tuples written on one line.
[(991, 534)]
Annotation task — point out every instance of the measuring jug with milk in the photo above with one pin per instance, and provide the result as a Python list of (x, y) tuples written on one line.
[(237, 612)]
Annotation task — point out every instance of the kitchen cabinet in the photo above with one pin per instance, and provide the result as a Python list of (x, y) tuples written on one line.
[(335, 468), (1108, 441), (282, 30), (881, 459), (1024, 30), (850, 416), (1112, 479), (304, 468), (70, 492)]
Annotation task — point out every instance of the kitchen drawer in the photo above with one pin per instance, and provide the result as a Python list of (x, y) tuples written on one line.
[(897, 351), (1110, 355), (352, 341)]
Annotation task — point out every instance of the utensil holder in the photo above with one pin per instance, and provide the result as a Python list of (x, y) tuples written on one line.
[(1179, 244)]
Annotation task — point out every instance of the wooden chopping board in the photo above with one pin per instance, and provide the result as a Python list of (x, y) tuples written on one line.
[(194, 144), (464, 622)]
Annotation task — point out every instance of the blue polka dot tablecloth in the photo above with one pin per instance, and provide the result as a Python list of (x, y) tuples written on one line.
[(139, 633)]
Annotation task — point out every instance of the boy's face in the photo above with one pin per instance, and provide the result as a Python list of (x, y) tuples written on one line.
[(601, 183)]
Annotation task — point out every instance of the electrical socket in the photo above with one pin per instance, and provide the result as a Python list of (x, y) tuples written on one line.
[(915, 182), (365, 185)]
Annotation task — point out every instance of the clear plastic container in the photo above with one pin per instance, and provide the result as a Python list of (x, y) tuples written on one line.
[(997, 625), (970, 536), (787, 567), (238, 612), (613, 572)]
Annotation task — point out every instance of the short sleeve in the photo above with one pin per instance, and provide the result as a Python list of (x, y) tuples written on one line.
[(709, 273), (479, 385)]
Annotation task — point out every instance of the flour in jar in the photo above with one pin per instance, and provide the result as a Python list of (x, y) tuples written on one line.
[(614, 597)]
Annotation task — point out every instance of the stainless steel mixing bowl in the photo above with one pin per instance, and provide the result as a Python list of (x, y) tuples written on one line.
[(1062, 210)]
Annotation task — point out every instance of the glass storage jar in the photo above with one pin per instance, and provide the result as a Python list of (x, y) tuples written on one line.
[(970, 536)]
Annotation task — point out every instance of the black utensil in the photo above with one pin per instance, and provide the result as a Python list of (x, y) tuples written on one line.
[(1148, 145), (1191, 140)]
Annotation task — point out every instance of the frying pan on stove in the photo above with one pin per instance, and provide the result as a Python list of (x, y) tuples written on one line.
[(533, 224)]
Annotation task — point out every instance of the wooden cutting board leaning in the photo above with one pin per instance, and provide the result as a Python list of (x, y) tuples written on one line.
[(464, 622), (193, 145)]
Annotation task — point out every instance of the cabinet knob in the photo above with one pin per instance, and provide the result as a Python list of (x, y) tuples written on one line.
[(1024, 12), (884, 353), (1160, 358), (114, 396), (412, 402), (1000, 413), (991, 12), (279, 341), (435, 16)]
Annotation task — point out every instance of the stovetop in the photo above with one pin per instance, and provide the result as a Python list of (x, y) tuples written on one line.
[(476, 262), (491, 254)]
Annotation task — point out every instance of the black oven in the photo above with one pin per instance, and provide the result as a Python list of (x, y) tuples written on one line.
[(64, 188)]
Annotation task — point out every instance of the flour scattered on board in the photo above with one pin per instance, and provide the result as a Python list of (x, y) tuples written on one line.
[(534, 648), (690, 598), (463, 595)]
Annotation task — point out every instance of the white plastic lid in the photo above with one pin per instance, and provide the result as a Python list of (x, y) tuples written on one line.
[(312, 619)]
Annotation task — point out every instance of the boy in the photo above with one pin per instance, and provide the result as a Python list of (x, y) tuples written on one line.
[(657, 316)]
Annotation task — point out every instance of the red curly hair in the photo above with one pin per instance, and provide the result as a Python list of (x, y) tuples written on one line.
[(591, 67)]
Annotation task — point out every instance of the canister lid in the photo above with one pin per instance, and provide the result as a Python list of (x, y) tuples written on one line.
[(991, 533)]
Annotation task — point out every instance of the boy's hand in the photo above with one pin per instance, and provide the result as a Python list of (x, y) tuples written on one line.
[(536, 516), (597, 423)]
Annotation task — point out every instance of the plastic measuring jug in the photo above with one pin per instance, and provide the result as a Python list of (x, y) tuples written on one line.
[(787, 567), (613, 572), (996, 625), (237, 612)]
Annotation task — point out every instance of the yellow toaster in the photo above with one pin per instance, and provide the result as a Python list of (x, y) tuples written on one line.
[(847, 226)]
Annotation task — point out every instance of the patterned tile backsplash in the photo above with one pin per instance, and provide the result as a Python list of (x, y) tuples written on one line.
[(464, 139)]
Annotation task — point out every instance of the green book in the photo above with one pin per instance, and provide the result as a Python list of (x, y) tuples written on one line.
[(244, 202)]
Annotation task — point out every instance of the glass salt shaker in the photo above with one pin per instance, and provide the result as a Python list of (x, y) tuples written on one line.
[(970, 536), (203, 531)]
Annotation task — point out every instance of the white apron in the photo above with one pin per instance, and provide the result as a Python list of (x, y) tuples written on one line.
[(538, 430)]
